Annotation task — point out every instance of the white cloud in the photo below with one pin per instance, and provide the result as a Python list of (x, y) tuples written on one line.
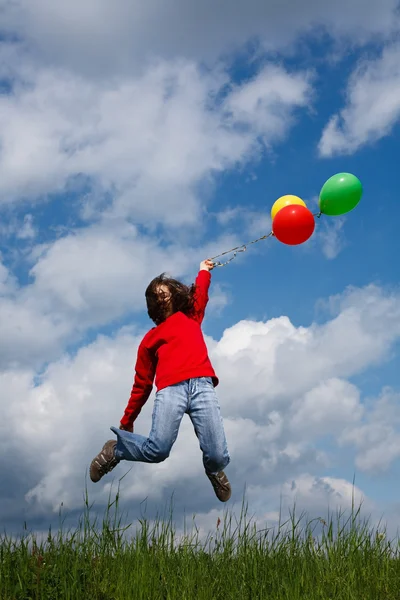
[(29, 335), (282, 391), (331, 238), (250, 222), (143, 145), (285, 361), (226, 216), (377, 438), (14, 226), (144, 141), (27, 231), (326, 408), (100, 274), (96, 36), (7, 280), (88, 279), (318, 494), (372, 105), (219, 299), (259, 224), (263, 102)]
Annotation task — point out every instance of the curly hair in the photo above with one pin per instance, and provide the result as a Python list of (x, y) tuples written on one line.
[(182, 298)]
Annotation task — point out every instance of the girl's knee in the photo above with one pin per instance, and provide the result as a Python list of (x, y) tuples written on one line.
[(217, 460), (161, 455), (157, 453)]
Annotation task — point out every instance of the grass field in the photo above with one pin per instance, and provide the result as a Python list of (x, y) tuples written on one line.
[(342, 558)]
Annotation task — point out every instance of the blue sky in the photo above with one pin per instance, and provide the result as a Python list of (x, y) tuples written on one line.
[(114, 168)]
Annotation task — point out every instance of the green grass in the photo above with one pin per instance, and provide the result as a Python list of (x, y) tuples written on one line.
[(341, 558)]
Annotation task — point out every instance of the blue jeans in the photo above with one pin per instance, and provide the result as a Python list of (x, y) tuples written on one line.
[(198, 399)]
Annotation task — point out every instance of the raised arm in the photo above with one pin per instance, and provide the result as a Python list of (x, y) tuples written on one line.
[(202, 284), (142, 386)]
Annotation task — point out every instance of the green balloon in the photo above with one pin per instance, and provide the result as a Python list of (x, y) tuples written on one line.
[(340, 194)]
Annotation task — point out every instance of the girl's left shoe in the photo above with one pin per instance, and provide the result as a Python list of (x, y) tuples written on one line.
[(104, 462)]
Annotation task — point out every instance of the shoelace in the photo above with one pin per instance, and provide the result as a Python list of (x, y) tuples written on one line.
[(218, 480), (107, 465)]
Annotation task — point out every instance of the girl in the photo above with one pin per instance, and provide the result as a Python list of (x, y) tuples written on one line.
[(175, 354)]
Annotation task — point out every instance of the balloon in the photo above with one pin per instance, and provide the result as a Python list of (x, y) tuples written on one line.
[(293, 224), (340, 194), (285, 201)]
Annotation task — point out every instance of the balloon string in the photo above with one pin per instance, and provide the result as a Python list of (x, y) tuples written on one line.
[(236, 250), (243, 248)]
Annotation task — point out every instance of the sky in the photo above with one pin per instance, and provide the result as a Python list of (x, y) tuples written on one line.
[(138, 138)]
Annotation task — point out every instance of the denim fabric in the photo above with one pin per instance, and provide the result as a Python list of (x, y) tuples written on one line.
[(198, 399)]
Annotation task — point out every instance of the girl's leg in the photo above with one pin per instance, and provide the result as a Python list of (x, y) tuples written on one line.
[(204, 412), (170, 405)]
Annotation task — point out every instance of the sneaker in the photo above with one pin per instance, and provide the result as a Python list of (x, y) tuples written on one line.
[(104, 462), (221, 485)]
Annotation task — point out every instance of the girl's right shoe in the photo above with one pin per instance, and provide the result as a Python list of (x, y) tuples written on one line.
[(221, 485)]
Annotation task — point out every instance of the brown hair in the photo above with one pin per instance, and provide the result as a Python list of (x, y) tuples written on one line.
[(182, 298)]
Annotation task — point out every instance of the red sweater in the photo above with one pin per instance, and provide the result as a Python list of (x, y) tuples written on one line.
[(173, 351)]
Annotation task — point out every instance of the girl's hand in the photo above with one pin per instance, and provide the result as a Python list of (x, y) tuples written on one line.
[(126, 428), (206, 265)]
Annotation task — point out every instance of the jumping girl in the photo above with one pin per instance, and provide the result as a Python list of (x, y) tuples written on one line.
[(173, 353)]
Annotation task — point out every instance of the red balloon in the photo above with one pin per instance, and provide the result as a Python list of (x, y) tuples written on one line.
[(293, 224)]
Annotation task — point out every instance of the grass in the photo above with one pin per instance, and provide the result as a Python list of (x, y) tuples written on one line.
[(341, 558)]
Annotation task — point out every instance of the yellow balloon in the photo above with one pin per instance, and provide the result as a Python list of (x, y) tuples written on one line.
[(285, 201)]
